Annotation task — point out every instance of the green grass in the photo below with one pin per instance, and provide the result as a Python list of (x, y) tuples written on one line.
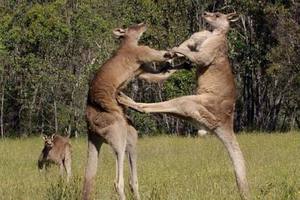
[(170, 168)]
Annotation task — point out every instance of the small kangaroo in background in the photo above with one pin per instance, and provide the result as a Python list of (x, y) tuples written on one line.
[(105, 117), (212, 107), (57, 150)]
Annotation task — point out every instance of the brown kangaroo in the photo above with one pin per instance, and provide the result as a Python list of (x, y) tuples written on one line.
[(105, 117), (212, 107), (57, 150)]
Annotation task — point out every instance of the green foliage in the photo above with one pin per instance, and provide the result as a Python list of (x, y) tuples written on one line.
[(144, 123), (49, 50), (181, 84)]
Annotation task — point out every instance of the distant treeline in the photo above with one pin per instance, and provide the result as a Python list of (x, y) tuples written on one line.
[(50, 49)]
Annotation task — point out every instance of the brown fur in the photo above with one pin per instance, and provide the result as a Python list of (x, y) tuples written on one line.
[(105, 118), (212, 107), (57, 150)]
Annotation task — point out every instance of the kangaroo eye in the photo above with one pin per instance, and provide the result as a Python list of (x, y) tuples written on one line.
[(217, 15)]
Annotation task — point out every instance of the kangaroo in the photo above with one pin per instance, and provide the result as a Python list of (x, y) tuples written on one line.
[(105, 117), (57, 150), (212, 107)]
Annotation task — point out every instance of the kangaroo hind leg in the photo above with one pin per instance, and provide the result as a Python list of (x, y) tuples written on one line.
[(132, 137), (229, 140), (116, 138), (94, 145)]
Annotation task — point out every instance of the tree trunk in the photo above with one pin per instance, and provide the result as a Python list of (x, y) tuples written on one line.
[(55, 116), (293, 119), (55, 111), (31, 109), (165, 118), (2, 106)]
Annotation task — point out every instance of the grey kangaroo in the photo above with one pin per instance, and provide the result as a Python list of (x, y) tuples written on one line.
[(57, 150)]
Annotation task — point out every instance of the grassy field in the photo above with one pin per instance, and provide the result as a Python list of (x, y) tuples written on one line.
[(170, 168)]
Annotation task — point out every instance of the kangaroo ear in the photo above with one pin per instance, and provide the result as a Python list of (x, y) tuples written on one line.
[(44, 137), (232, 17), (119, 32), (52, 136)]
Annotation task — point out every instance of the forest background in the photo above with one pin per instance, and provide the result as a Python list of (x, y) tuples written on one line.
[(50, 50)]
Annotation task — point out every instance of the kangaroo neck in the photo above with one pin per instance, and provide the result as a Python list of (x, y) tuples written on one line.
[(220, 31), (129, 42)]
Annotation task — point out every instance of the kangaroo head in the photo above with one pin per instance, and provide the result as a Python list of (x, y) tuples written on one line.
[(48, 140), (132, 33), (220, 21)]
